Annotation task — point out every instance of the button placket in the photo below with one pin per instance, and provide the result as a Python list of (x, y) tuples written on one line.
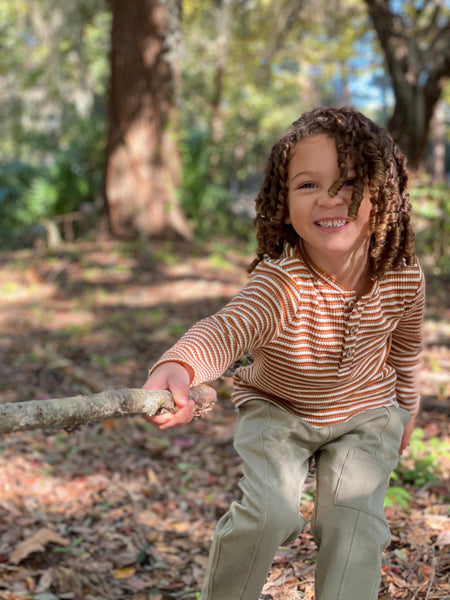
[(349, 341), (351, 317), (353, 324)]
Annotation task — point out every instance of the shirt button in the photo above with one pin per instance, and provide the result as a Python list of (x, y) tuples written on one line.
[(351, 304), (353, 329)]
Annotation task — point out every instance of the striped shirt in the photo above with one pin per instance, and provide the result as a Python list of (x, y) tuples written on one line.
[(319, 351)]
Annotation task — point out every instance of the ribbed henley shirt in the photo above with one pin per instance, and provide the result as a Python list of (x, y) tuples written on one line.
[(319, 351)]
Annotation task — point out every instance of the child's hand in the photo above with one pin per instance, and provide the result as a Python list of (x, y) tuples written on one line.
[(407, 435), (174, 377)]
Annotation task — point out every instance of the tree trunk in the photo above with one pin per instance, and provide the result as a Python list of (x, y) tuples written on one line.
[(143, 162), (79, 410), (417, 53), (223, 23), (439, 144)]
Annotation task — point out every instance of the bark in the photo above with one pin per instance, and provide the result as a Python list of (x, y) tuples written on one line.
[(143, 168), (439, 144), (79, 410), (223, 25), (418, 61)]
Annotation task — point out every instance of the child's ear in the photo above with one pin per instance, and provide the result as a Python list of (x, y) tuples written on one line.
[(287, 220)]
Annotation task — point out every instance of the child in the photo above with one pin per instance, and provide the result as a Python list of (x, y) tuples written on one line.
[(332, 315)]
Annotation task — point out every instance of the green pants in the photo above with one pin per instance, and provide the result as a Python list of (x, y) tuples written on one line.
[(354, 460)]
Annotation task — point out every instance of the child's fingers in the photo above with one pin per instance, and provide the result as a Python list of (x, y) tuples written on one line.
[(179, 388), (160, 420), (183, 415)]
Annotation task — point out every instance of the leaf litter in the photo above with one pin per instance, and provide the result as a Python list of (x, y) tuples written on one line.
[(120, 510)]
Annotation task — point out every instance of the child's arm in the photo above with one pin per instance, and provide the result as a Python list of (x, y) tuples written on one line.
[(405, 357), (252, 318), (176, 378), (406, 437), (410, 426)]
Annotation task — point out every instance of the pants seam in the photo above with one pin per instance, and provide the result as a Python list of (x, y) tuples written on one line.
[(218, 554), (252, 562), (316, 537), (360, 510), (348, 556), (217, 559)]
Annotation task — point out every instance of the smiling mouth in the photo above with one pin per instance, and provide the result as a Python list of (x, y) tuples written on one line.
[(332, 223)]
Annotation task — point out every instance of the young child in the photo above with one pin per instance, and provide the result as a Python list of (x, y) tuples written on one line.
[(332, 315)]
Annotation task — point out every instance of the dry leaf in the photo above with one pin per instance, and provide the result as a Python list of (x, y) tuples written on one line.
[(416, 536), (45, 581), (437, 521), (443, 539), (178, 525), (124, 573), (36, 543), (276, 574), (426, 571), (125, 559)]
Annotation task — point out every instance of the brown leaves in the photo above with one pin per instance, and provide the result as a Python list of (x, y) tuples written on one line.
[(36, 543), (292, 574), (137, 507)]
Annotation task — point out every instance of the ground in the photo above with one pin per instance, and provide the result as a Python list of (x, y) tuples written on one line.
[(119, 510)]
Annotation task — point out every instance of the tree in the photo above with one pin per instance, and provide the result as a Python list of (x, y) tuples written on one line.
[(53, 71), (143, 160), (415, 39)]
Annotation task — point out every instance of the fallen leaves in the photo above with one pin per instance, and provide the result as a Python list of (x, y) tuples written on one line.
[(124, 573), (36, 543), (137, 507), (37, 485)]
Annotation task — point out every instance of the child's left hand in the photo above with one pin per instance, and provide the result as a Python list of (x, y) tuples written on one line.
[(407, 435)]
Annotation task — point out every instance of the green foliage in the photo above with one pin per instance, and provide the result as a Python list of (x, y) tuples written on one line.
[(397, 495), (15, 178), (239, 98), (53, 73), (431, 217), (205, 200), (422, 466), (419, 468), (248, 69), (29, 193)]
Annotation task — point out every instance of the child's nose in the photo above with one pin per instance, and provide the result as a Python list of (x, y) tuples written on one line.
[(327, 200)]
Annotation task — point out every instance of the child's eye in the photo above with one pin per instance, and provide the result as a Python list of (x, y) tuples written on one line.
[(307, 185)]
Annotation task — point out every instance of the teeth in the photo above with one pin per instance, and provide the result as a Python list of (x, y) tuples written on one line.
[(332, 223)]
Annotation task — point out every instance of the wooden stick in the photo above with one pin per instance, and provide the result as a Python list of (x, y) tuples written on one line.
[(78, 410)]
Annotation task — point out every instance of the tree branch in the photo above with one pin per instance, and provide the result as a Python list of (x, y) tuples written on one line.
[(79, 410)]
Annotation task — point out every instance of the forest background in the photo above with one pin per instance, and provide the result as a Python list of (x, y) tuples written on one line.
[(134, 138)]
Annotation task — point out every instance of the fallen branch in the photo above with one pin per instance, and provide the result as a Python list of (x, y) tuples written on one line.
[(78, 410)]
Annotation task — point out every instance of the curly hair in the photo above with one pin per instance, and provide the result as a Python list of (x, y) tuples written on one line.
[(378, 163)]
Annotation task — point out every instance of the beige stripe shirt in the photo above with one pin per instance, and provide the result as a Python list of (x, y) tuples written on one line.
[(319, 351)]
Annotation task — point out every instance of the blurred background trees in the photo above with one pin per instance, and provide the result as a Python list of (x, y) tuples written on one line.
[(159, 117), (416, 47)]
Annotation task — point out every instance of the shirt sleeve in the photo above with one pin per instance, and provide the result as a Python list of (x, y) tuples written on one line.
[(405, 355), (251, 319)]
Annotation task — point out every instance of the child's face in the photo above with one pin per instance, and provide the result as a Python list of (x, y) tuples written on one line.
[(318, 218)]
